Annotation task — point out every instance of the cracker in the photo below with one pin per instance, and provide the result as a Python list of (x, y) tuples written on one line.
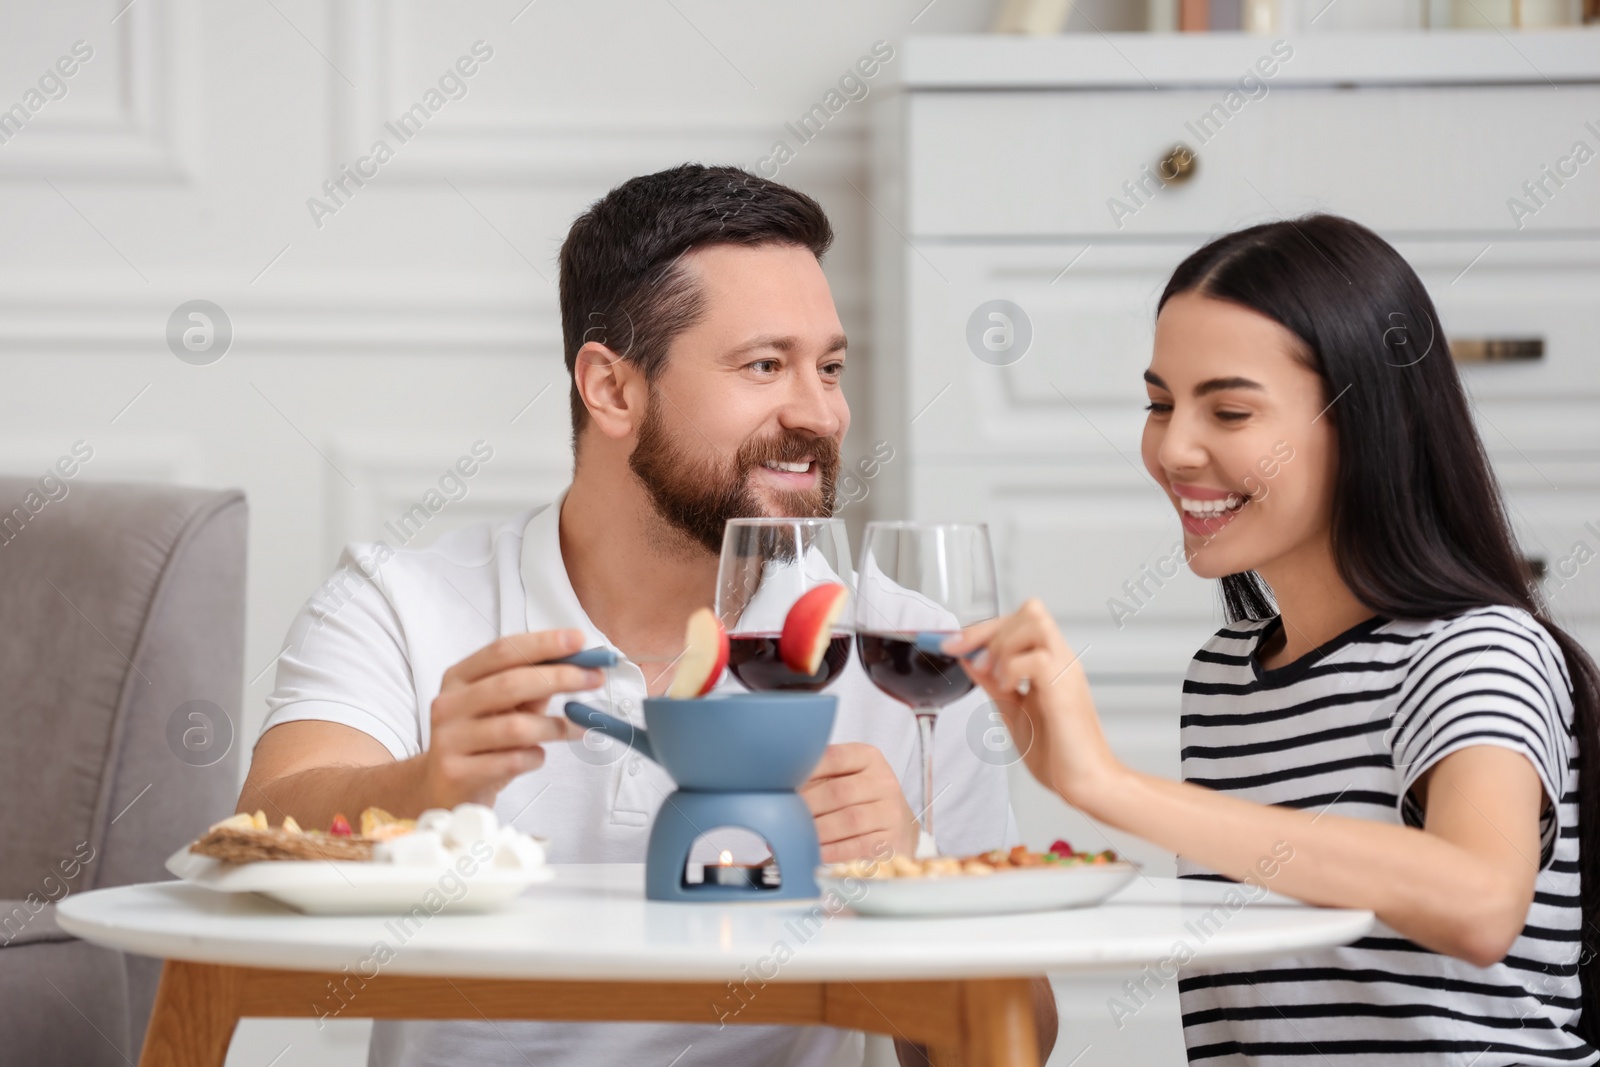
[(233, 845)]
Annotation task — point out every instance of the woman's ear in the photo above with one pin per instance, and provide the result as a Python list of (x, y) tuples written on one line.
[(611, 388)]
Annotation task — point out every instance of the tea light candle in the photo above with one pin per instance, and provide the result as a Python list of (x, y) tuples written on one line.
[(728, 873)]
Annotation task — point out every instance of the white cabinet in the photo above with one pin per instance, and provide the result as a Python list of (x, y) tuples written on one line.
[(993, 167)]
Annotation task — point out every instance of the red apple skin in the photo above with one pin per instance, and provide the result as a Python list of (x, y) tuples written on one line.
[(809, 626)]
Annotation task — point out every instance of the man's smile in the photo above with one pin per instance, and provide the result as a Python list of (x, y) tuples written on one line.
[(786, 474)]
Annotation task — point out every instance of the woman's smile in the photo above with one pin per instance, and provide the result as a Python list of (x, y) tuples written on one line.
[(1206, 511)]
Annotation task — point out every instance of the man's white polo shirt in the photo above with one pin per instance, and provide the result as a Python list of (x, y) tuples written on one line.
[(369, 651)]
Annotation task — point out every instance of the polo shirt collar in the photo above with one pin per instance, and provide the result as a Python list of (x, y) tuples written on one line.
[(551, 602)]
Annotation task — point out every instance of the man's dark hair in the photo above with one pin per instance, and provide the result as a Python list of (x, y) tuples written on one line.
[(622, 283)]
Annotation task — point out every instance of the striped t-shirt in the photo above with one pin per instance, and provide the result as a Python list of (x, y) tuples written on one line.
[(1347, 729)]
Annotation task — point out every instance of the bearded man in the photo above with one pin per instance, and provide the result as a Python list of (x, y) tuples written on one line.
[(707, 364)]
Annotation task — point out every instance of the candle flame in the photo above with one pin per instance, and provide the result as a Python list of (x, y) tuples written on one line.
[(727, 858)]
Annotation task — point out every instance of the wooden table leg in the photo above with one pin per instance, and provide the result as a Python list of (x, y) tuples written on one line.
[(196, 1010), (999, 1024)]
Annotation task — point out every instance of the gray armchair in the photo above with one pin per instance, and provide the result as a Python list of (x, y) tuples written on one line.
[(121, 675)]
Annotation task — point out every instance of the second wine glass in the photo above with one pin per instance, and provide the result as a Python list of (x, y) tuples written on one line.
[(919, 584), (766, 565)]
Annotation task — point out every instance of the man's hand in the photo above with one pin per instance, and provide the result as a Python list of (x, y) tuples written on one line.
[(856, 801), (489, 719)]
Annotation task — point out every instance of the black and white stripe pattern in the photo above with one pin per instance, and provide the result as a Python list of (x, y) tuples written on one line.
[(1348, 729)]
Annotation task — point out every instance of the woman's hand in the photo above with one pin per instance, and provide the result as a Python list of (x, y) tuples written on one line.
[(1040, 687)]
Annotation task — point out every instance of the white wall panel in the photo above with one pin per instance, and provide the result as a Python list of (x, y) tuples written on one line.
[(126, 110)]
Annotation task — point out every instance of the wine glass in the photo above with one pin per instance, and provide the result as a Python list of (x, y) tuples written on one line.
[(766, 565), (919, 584)]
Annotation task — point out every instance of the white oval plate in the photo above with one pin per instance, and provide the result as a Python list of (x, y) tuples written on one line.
[(351, 887), (1004, 892)]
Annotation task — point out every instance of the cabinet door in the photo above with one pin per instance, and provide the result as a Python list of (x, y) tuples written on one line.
[(1513, 293), (1076, 389), (1437, 160)]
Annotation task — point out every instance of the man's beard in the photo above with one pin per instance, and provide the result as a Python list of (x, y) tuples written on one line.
[(699, 494)]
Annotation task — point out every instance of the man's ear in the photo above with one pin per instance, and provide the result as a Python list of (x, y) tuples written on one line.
[(612, 388)]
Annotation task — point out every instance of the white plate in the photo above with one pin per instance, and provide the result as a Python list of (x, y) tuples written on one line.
[(1003, 892), (352, 887)]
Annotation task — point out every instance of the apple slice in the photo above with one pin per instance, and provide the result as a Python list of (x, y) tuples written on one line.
[(705, 654), (808, 627)]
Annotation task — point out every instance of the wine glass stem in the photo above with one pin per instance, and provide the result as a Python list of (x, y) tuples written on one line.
[(925, 722)]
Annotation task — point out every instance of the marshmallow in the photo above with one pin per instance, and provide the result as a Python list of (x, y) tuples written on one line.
[(434, 819), (441, 837), (422, 848), (517, 850), (469, 823)]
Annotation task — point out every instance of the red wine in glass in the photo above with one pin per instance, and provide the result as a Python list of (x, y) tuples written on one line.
[(753, 659), (925, 681)]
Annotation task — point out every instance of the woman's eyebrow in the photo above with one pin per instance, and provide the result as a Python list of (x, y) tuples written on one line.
[(1217, 385), (1212, 385)]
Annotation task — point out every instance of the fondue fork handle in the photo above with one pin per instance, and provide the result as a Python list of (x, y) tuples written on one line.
[(594, 658), (616, 729), (932, 643)]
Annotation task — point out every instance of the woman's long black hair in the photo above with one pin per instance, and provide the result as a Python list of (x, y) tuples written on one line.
[(1419, 530)]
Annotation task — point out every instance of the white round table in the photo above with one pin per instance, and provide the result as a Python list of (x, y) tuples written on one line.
[(597, 948)]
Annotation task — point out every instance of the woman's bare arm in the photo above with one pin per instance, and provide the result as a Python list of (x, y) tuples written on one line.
[(1462, 885)]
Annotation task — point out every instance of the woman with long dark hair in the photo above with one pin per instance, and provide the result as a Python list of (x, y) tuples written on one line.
[(1390, 719)]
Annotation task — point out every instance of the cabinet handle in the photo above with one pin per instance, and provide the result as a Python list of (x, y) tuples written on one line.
[(1496, 349), (1178, 165)]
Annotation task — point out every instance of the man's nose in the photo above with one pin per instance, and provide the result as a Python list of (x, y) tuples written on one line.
[(810, 406)]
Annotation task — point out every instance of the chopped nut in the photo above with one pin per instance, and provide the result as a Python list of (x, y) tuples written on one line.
[(901, 867), (981, 865)]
